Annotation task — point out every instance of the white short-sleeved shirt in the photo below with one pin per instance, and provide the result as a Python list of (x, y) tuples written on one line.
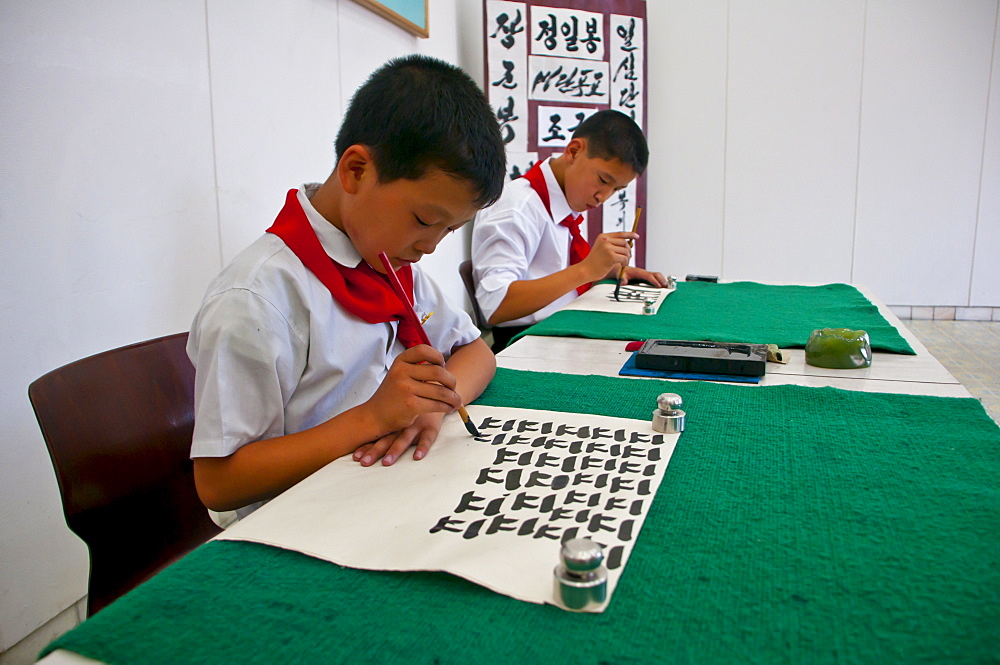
[(275, 354), (517, 239)]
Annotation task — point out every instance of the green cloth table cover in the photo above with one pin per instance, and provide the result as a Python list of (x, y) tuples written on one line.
[(793, 525), (737, 312)]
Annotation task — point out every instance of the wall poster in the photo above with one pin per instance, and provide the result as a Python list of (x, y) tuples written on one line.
[(550, 64)]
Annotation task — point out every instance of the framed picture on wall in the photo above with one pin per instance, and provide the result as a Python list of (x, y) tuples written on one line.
[(411, 15)]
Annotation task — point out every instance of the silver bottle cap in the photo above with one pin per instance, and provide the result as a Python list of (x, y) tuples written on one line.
[(581, 555), (669, 401)]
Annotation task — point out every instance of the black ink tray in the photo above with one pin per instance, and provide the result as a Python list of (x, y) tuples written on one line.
[(675, 355)]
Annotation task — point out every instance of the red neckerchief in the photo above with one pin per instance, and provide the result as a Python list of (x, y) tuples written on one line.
[(362, 291), (578, 246)]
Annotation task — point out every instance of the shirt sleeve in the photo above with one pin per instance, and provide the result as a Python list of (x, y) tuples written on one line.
[(247, 362), (450, 327), (504, 242)]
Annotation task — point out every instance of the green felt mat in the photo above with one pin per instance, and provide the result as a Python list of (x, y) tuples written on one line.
[(793, 525), (737, 312)]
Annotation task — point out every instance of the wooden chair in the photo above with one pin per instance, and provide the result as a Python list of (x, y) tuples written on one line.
[(118, 428), (465, 270)]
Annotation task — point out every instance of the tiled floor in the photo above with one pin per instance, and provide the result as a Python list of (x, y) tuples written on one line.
[(971, 352)]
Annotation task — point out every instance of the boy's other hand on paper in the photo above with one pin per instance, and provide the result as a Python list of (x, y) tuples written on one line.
[(417, 384), (422, 433), (634, 274)]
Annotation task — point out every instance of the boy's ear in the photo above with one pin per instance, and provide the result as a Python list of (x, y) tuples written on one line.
[(575, 149), (355, 164)]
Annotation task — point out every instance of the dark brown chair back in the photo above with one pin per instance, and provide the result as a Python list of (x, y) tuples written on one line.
[(118, 428), (465, 270)]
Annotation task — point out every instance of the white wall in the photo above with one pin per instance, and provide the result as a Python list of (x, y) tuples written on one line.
[(793, 95), (142, 145), (923, 118), (986, 264), (107, 233), (856, 140)]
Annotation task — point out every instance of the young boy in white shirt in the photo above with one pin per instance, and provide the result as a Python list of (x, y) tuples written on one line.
[(300, 347), (529, 257)]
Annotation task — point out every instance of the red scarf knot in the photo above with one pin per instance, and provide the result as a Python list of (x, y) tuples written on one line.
[(363, 291), (578, 246)]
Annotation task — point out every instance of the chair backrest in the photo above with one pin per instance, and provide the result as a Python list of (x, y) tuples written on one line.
[(118, 428), (465, 270)]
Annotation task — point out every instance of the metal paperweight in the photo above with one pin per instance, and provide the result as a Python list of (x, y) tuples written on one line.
[(668, 417), (581, 580)]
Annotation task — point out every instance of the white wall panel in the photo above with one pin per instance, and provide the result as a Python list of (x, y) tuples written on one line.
[(471, 58), (986, 265), (923, 112), (686, 135), (276, 97), (107, 236), (367, 42), (792, 139), (470, 42), (358, 25), (448, 26)]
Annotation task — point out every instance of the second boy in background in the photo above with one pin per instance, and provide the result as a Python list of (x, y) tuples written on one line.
[(529, 256)]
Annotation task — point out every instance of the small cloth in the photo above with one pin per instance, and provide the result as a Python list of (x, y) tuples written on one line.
[(775, 355)]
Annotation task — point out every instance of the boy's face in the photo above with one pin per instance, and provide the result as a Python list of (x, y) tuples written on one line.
[(590, 181), (406, 219)]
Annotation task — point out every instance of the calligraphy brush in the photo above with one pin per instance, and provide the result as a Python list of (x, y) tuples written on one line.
[(621, 273), (415, 320)]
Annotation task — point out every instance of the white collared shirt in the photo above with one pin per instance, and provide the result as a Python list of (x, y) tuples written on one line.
[(275, 354), (517, 239)]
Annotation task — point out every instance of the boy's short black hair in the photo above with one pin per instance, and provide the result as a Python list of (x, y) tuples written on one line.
[(613, 135), (417, 113)]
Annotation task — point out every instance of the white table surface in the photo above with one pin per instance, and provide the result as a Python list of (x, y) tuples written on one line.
[(63, 657), (921, 374), (889, 373)]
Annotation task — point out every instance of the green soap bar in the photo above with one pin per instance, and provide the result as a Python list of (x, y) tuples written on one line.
[(839, 348)]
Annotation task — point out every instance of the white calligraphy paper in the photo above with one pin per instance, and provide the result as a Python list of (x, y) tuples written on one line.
[(492, 509), (619, 210), (627, 53), (632, 299), (567, 80), (519, 163), (506, 70), (568, 33), (556, 124)]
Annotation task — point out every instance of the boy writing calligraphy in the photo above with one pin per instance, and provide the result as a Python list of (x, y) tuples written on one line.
[(300, 347), (529, 256)]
